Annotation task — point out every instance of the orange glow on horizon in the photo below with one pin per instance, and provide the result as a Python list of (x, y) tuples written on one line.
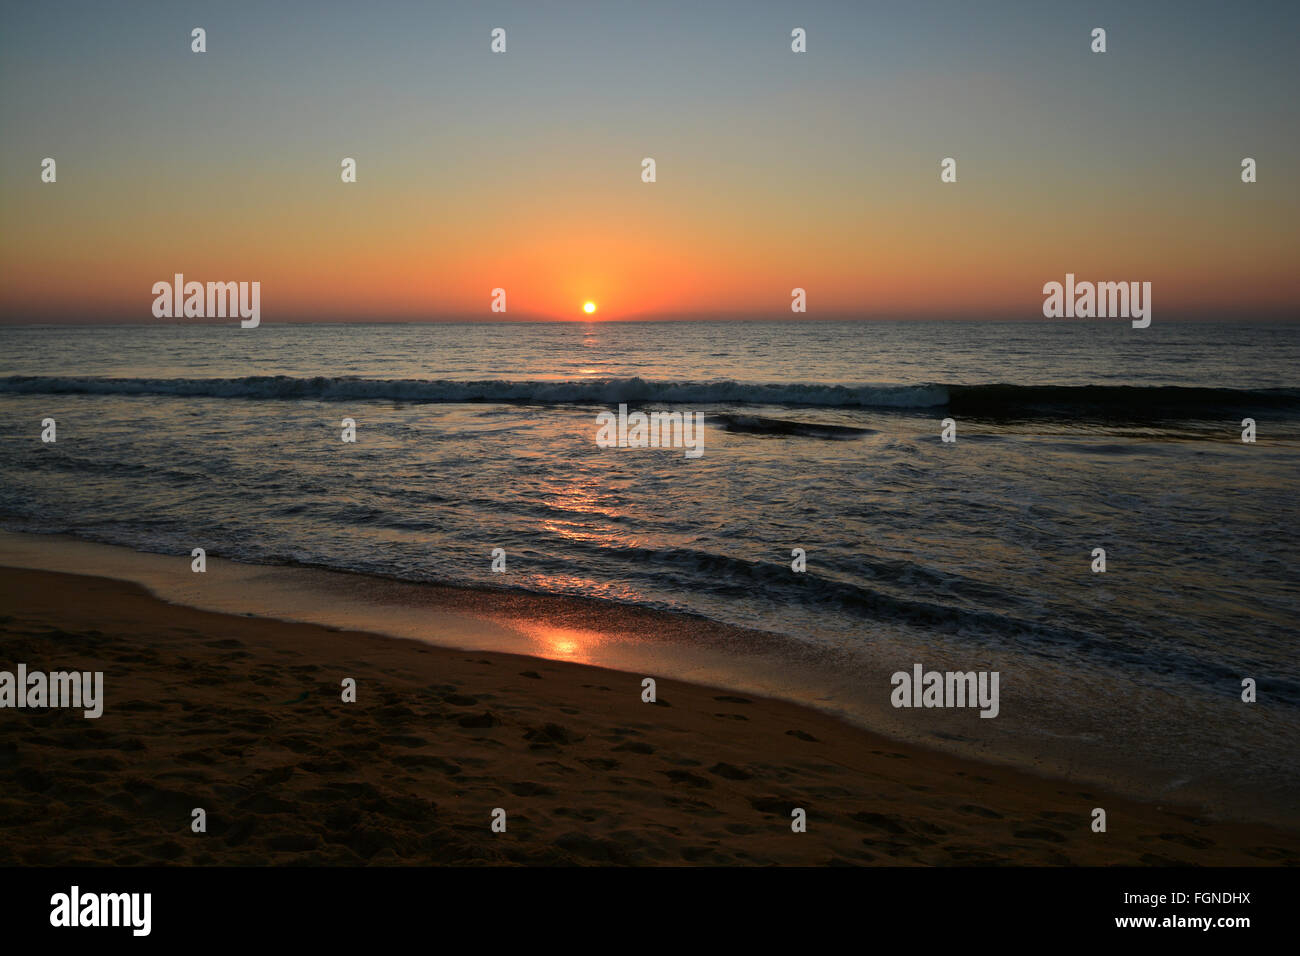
[(629, 253)]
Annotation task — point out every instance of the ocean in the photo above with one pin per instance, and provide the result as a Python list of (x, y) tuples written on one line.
[(822, 436)]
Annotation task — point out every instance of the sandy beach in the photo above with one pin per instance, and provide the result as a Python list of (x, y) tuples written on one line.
[(243, 717)]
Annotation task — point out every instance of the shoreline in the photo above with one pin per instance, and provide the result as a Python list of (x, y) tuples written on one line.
[(635, 641), (242, 715)]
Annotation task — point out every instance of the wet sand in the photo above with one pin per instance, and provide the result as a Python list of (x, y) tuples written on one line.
[(243, 717)]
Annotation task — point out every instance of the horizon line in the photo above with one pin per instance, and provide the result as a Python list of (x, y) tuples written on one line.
[(1290, 316)]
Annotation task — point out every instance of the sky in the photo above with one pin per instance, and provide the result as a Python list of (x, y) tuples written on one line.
[(522, 170)]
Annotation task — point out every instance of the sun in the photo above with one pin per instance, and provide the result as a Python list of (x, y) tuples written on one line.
[(589, 307)]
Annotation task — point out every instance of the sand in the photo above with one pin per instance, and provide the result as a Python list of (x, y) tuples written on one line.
[(242, 716)]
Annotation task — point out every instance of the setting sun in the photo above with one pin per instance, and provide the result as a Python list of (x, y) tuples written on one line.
[(589, 307)]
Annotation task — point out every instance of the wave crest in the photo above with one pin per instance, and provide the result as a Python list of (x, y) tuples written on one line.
[(991, 400)]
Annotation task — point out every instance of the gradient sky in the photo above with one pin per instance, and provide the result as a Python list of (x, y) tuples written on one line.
[(522, 170)]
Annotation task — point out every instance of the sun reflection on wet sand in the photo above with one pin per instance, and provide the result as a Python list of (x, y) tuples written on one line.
[(560, 643)]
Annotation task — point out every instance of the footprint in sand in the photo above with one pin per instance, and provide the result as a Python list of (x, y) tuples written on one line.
[(479, 721), (879, 821), (1196, 843), (686, 777), (551, 735), (170, 850), (141, 706), (636, 747), (1038, 833), (529, 789), (729, 772), (971, 855), (426, 762), (196, 756), (104, 762)]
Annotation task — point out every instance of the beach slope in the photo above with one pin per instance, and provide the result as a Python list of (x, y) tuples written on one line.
[(244, 718)]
